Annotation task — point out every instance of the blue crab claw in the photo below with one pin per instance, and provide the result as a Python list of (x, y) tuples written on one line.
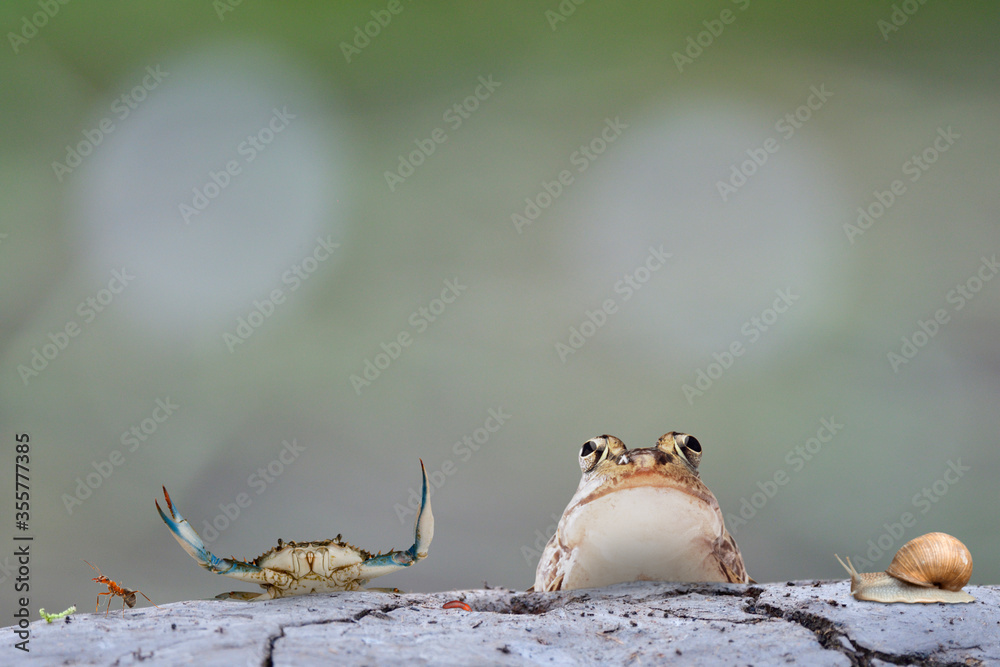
[(423, 533), (193, 544), (423, 530)]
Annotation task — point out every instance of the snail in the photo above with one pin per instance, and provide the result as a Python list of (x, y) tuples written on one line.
[(929, 568)]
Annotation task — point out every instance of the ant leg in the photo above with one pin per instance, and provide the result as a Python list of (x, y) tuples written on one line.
[(147, 597)]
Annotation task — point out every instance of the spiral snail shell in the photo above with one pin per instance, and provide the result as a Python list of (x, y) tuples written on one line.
[(930, 568)]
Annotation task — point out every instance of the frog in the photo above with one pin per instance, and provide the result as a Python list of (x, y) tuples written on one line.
[(640, 515)]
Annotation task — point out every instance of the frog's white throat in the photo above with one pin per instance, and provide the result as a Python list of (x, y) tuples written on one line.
[(652, 533)]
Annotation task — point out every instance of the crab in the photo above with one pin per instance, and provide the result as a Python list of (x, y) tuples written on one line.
[(301, 568)]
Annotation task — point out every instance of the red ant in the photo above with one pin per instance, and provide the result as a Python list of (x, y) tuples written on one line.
[(114, 590)]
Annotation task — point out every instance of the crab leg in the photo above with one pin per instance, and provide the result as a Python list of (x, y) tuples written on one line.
[(422, 535), (193, 544)]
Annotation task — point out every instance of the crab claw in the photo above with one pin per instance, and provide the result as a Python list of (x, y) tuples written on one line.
[(424, 529), (193, 544), (184, 533), (423, 534)]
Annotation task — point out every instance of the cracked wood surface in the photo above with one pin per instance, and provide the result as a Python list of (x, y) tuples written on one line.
[(810, 623)]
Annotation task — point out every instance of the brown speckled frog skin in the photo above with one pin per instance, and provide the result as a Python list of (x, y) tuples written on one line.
[(642, 514)]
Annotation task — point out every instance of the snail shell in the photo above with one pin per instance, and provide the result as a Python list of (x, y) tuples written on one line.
[(929, 568), (934, 559)]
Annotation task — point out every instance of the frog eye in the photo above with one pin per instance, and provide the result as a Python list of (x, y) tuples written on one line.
[(689, 448), (593, 452)]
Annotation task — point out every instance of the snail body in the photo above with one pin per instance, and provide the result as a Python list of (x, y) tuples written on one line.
[(930, 568)]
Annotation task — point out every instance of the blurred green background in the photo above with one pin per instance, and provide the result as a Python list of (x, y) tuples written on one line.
[(163, 97)]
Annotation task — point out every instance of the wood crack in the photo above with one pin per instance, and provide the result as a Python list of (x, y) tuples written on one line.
[(832, 638)]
